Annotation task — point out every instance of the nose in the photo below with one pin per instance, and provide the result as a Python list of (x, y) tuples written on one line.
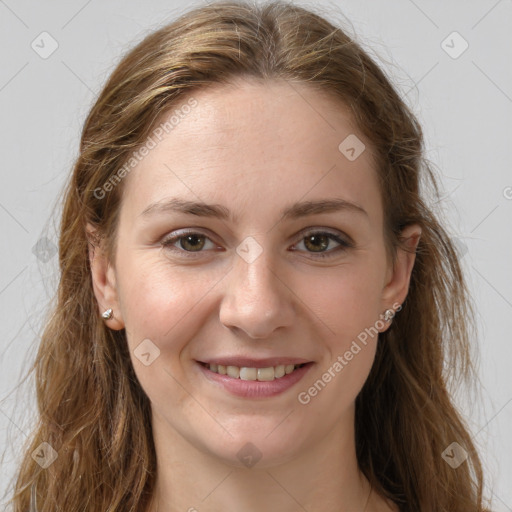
[(257, 299)]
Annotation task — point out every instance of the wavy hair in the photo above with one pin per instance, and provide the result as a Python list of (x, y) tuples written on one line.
[(91, 407)]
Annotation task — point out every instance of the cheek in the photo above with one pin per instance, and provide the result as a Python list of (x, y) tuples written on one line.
[(159, 301), (347, 300), (162, 308), (349, 309), (348, 304)]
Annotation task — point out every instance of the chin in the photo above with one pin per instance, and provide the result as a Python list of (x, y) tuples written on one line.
[(258, 448)]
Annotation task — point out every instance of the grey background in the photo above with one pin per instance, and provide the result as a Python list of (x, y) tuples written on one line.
[(464, 104)]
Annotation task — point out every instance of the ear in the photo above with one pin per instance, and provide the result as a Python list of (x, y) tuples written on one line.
[(398, 276), (103, 280)]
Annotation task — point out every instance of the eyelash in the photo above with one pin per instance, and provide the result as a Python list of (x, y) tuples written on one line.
[(344, 244)]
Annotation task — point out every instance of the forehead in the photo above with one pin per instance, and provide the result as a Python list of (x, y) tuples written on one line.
[(252, 143)]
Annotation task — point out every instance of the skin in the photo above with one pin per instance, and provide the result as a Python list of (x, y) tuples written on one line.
[(283, 149)]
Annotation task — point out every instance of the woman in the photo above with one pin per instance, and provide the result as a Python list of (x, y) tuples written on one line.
[(256, 308)]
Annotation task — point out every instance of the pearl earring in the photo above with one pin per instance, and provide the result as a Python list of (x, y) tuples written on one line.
[(108, 314), (389, 314)]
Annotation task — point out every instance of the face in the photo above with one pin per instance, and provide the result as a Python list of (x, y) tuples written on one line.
[(262, 280)]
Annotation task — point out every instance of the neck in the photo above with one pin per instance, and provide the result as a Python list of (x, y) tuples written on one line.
[(324, 477)]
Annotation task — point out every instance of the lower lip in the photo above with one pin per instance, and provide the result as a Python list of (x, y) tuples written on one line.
[(256, 388)]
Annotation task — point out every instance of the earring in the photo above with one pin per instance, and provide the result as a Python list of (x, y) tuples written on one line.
[(108, 314), (389, 314)]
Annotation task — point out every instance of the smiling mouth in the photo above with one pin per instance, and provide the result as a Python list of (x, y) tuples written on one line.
[(269, 373)]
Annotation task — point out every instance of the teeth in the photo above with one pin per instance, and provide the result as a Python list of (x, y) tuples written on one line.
[(233, 371), (266, 373), (251, 373), (260, 374), (279, 371)]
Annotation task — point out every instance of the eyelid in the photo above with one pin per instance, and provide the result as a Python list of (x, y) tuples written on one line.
[(317, 230), (169, 240)]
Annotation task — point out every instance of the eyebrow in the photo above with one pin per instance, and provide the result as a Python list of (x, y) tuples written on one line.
[(295, 211)]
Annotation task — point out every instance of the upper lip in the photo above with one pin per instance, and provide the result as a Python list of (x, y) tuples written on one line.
[(254, 363)]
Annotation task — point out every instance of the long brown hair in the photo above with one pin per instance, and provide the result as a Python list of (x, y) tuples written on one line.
[(92, 410)]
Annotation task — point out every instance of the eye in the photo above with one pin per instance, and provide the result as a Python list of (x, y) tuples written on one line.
[(188, 242), (317, 241)]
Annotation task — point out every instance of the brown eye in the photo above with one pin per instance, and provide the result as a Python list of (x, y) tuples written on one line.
[(194, 242), (186, 244), (318, 242)]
